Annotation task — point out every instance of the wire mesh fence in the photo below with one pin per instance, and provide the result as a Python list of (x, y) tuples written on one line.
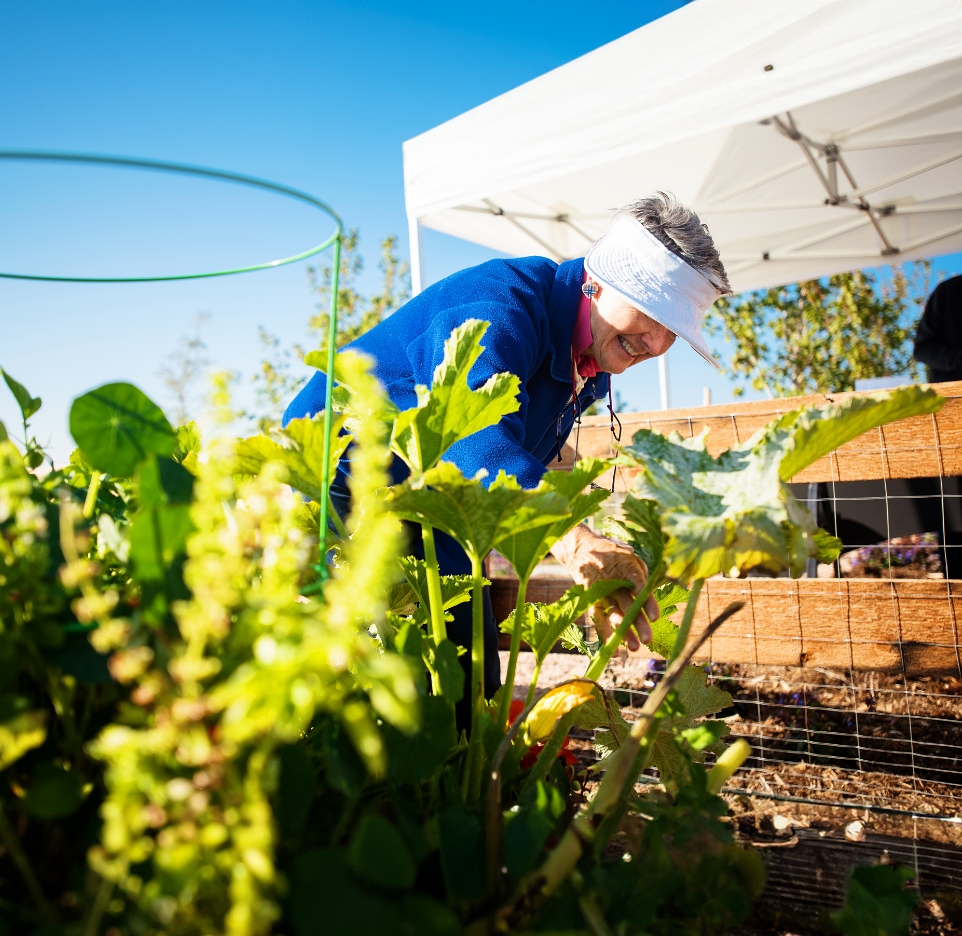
[(846, 682)]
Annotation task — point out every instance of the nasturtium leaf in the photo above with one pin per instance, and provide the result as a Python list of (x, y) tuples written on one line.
[(526, 548), (21, 729), (377, 852), (451, 410), (544, 623), (539, 809), (55, 792), (735, 513), (300, 448), (28, 404), (117, 426), (477, 517)]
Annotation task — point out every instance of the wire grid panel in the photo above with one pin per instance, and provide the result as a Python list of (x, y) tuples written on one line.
[(848, 684)]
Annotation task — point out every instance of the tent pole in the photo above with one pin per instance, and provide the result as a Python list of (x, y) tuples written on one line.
[(414, 236), (663, 381)]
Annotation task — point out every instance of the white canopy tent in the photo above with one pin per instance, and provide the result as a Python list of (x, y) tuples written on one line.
[(812, 136)]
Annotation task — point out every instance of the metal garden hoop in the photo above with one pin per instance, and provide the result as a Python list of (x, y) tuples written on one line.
[(223, 176)]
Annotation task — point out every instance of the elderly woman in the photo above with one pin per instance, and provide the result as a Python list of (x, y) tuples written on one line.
[(563, 329)]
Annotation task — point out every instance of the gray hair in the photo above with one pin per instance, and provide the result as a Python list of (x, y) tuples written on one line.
[(681, 231)]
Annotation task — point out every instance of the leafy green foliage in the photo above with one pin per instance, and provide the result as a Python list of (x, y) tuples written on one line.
[(117, 426), (260, 743), (878, 902), (524, 549), (544, 624), (735, 513), (28, 404), (683, 874), (477, 517), (820, 336), (300, 448), (450, 410)]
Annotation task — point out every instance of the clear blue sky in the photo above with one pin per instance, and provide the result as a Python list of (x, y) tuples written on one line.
[(318, 95)]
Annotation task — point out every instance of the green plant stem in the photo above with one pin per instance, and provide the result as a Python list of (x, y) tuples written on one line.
[(102, 898), (438, 628), (90, 502), (681, 638), (581, 831), (533, 688), (322, 569), (471, 785), (508, 691), (597, 666), (11, 842)]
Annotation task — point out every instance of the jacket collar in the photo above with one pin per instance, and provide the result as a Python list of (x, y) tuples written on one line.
[(562, 314)]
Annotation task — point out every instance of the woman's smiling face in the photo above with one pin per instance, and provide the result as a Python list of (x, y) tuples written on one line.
[(622, 335)]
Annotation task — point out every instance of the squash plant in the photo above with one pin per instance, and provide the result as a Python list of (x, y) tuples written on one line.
[(199, 733)]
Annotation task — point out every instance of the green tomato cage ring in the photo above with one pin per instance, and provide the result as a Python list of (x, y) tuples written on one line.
[(239, 179)]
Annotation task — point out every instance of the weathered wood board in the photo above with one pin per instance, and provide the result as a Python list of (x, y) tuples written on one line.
[(920, 447), (898, 626), (905, 626)]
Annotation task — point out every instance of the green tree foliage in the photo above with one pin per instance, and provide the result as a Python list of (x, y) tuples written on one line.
[(820, 336)]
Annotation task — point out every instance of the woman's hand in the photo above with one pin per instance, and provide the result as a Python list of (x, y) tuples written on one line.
[(592, 558)]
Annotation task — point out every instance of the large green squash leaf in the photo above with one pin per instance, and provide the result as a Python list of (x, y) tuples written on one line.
[(300, 448), (477, 517), (735, 513), (544, 624), (525, 549), (451, 410), (117, 426)]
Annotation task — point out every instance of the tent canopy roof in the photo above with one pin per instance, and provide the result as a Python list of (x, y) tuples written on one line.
[(812, 137)]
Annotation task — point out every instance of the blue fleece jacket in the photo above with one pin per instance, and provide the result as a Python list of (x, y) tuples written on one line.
[(532, 304)]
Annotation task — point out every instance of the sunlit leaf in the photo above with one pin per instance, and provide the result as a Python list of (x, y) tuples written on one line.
[(451, 410), (117, 426), (300, 448), (545, 623), (477, 517), (525, 549), (28, 404), (735, 513)]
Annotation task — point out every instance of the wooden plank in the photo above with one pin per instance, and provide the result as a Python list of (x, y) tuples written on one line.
[(920, 447), (905, 626)]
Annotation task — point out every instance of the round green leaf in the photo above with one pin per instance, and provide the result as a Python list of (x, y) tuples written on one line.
[(117, 426)]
